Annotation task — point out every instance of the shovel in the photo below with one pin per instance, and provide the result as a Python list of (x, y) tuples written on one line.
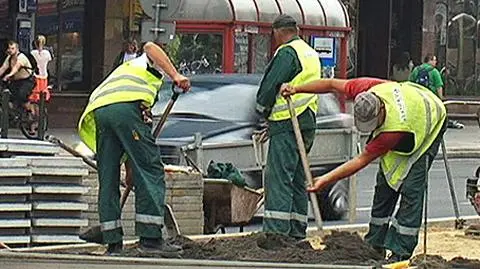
[(306, 165)]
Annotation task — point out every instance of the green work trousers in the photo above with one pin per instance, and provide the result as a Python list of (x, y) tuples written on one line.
[(120, 130), (286, 200), (400, 233)]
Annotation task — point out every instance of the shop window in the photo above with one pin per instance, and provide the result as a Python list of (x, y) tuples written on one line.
[(62, 22), (241, 53), (261, 52), (197, 53)]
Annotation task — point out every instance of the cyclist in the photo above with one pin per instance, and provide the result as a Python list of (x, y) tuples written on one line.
[(19, 75)]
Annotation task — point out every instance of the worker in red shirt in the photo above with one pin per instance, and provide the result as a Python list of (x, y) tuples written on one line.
[(407, 123)]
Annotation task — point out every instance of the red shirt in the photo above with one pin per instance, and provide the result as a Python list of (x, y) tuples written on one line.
[(385, 141)]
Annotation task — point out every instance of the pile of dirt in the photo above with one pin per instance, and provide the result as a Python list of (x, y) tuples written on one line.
[(437, 262), (340, 248)]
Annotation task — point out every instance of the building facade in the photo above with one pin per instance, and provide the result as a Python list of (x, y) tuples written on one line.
[(85, 36)]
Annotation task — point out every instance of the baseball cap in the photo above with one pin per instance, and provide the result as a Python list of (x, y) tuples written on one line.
[(284, 20), (366, 110)]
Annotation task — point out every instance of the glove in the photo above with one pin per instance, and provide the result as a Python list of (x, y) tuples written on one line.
[(261, 133)]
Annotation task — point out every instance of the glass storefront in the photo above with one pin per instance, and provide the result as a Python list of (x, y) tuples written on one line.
[(197, 53), (62, 22), (457, 25)]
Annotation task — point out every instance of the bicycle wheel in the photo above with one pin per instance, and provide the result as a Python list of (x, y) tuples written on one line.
[(29, 123)]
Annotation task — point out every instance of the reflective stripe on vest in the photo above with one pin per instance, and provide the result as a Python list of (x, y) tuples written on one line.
[(409, 108), (126, 84), (311, 70)]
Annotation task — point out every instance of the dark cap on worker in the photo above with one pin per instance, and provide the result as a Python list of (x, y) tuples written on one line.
[(283, 21), (366, 110)]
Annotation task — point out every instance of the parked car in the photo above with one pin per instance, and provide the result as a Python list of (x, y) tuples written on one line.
[(221, 109)]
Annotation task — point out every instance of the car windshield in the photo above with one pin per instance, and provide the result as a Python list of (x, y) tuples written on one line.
[(231, 102), (179, 126)]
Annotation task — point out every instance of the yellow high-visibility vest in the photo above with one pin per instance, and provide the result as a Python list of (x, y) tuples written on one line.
[(409, 108), (129, 82), (311, 70)]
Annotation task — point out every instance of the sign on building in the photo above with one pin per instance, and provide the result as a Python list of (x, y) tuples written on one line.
[(326, 49)]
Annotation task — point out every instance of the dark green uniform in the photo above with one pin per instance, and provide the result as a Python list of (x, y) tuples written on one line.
[(401, 237), (285, 194), (121, 129)]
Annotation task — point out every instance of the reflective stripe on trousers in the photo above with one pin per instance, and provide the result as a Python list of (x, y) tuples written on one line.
[(270, 214), (150, 219), (110, 225)]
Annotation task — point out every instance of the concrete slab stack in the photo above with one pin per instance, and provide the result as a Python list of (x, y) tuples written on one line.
[(185, 195), (15, 206), (40, 194)]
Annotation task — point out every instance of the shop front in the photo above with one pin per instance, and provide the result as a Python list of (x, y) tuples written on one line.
[(211, 36)]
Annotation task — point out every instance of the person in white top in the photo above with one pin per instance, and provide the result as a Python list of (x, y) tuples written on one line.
[(43, 57)]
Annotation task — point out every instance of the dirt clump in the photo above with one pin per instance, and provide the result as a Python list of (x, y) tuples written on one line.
[(437, 262), (340, 248)]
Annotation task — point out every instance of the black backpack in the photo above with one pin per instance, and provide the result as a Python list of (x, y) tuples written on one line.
[(32, 61), (423, 76)]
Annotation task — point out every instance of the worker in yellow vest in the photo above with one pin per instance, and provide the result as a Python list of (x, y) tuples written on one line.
[(407, 123), (113, 125), (296, 63)]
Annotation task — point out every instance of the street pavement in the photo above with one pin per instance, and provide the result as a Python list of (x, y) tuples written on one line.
[(463, 148)]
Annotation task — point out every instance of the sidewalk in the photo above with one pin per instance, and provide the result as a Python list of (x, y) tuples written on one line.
[(460, 143)]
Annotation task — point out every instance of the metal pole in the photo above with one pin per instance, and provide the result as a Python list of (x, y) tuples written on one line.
[(5, 115), (426, 211), (41, 117), (458, 221)]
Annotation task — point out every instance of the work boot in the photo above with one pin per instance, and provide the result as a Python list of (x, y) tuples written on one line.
[(160, 247), (397, 258), (381, 251), (114, 249)]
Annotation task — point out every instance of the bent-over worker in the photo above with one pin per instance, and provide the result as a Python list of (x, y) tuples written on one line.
[(113, 125), (407, 123)]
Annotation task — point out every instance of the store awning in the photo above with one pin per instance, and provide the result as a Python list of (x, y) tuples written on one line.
[(329, 13)]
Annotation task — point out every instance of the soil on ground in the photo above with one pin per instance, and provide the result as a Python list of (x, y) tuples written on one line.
[(447, 249), (340, 248), (437, 262)]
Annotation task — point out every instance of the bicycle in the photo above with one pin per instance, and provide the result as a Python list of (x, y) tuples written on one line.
[(20, 117)]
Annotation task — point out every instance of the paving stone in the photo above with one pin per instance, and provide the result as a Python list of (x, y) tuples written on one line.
[(15, 239), (60, 206), (15, 223), (29, 146), (59, 222), (11, 190), (60, 189), (8, 207), (57, 239)]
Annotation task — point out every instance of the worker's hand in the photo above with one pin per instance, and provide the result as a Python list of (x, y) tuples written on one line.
[(182, 82), (7, 77), (319, 184), (287, 90)]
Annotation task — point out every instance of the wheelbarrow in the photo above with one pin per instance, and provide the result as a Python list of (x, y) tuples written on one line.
[(225, 204)]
